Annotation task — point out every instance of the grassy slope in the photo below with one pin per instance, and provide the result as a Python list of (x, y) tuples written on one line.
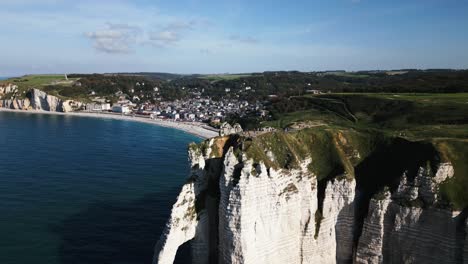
[(369, 120), (411, 115), (38, 81)]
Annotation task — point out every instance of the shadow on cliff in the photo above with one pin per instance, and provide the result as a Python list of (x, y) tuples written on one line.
[(117, 232), (385, 167), (344, 234)]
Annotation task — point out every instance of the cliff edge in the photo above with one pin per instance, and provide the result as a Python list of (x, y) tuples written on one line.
[(35, 99), (317, 196)]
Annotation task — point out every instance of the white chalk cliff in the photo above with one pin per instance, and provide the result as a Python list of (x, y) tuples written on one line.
[(42, 101), (234, 210), (8, 88), (37, 100)]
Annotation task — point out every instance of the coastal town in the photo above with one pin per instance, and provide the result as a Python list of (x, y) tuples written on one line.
[(196, 109), (133, 101), (204, 113), (257, 101)]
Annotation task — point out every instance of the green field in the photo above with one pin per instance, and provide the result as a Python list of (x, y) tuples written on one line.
[(30, 81), (410, 115)]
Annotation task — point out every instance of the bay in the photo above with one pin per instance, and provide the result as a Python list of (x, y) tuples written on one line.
[(86, 190)]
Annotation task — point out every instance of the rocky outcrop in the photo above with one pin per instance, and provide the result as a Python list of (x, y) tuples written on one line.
[(370, 246), (71, 105), (39, 100), (261, 213), (180, 228), (19, 104), (8, 88), (236, 209), (410, 226), (226, 129), (42, 101)]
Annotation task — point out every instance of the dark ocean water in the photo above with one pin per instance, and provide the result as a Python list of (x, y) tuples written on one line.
[(85, 190), (3, 78)]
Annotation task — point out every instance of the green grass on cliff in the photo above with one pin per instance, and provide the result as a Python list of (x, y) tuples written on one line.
[(41, 82), (455, 189), (36, 81), (333, 151), (342, 130), (336, 152), (415, 116)]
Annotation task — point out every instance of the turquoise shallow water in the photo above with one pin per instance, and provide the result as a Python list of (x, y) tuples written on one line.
[(85, 190)]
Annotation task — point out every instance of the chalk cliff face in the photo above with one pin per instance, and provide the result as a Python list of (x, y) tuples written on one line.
[(42, 101), (236, 208), (19, 104), (38, 100), (8, 88), (408, 226)]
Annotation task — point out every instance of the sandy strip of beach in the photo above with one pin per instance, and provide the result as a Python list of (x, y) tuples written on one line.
[(194, 128)]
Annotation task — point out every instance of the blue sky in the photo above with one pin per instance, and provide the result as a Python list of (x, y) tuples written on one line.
[(196, 36)]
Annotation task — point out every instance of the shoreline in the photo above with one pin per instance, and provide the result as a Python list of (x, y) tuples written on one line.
[(195, 128)]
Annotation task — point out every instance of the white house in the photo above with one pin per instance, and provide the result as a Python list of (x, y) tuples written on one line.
[(105, 107), (123, 109), (98, 107)]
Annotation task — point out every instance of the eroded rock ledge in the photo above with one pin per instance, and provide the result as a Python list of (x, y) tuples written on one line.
[(283, 198)]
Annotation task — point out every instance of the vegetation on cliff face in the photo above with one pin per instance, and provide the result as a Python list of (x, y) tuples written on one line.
[(339, 132), (28, 82), (440, 120), (455, 189)]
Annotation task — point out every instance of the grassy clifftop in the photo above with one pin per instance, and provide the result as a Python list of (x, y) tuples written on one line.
[(413, 116), (27, 82), (374, 158), (374, 137)]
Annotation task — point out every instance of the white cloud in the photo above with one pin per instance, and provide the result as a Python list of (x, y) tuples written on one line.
[(64, 32), (115, 38), (164, 37), (244, 39), (171, 33), (123, 38)]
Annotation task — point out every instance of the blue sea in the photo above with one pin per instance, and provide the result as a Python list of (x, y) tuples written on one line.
[(3, 78), (85, 190)]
